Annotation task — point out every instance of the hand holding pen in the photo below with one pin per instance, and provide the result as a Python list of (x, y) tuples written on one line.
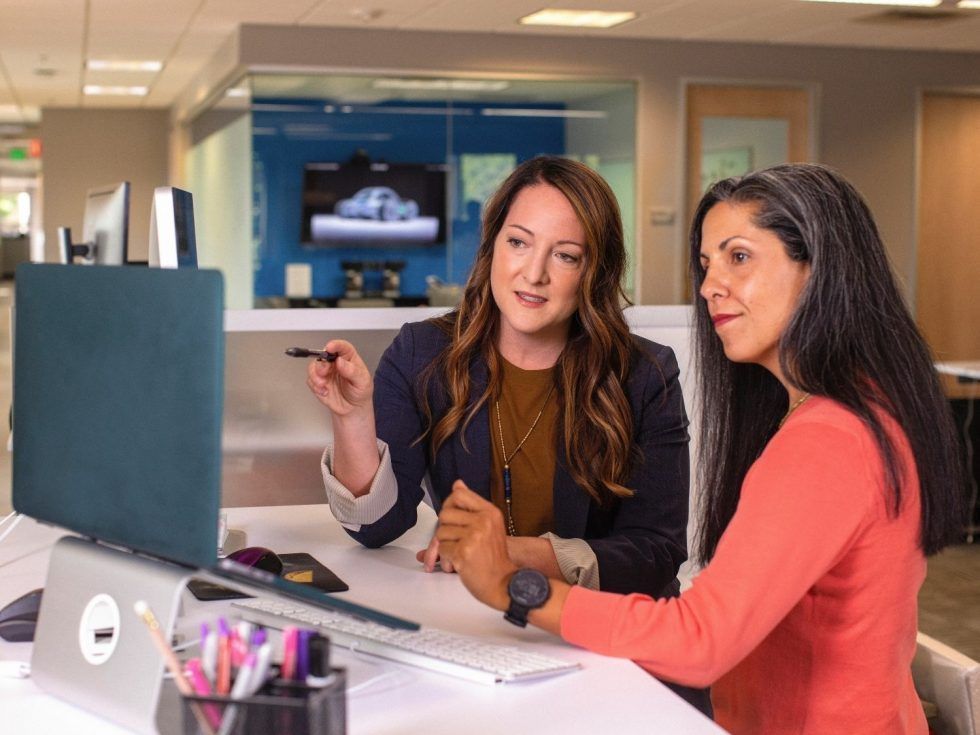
[(344, 385)]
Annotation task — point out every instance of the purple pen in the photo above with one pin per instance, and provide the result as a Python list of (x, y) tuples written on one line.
[(259, 636), (303, 655)]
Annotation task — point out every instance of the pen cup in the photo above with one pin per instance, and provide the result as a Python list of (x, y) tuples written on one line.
[(280, 708)]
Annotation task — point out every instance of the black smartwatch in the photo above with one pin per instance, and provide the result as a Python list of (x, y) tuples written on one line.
[(529, 589)]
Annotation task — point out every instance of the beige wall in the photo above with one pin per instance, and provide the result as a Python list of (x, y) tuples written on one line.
[(86, 148), (866, 107), (218, 171)]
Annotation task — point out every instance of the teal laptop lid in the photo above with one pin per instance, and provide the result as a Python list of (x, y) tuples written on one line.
[(118, 385)]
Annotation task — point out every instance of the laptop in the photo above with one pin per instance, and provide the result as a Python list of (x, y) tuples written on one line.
[(118, 391)]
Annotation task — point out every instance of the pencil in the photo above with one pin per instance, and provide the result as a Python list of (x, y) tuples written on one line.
[(169, 658)]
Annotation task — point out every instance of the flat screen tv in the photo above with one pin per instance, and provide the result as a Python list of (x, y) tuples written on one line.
[(374, 204)]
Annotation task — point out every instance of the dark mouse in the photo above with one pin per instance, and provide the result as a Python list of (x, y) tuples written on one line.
[(19, 618), (258, 557)]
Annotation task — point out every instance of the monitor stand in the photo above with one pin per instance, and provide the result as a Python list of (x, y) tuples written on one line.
[(90, 647)]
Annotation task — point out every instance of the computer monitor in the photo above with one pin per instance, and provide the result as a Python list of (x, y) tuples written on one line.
[(173, 242), (104, 231)]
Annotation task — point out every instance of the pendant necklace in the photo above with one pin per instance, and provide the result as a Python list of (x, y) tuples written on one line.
[(799, 402), (503, 453)]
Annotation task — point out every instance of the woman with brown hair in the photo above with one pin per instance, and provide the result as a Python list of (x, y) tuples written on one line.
[(534, 393)]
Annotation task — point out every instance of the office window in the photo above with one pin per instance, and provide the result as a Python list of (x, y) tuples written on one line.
[(348, 168)]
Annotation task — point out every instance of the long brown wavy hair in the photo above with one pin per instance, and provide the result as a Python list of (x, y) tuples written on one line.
[(595, 420)]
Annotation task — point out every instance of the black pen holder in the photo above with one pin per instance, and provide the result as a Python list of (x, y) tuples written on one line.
[(280, 708)]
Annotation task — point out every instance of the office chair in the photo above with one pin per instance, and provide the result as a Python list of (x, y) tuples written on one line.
[(951, 681)]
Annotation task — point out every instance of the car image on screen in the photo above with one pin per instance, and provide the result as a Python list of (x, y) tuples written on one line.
[(378, 203)]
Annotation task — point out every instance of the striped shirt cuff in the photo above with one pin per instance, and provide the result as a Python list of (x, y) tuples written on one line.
[(576, 559), (367, 509)]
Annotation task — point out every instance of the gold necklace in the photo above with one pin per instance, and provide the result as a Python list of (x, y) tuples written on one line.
[(799, 402), (503, 453)]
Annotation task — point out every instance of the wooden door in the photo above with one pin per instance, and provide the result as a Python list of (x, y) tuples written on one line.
[(734, 103), (947, 287)]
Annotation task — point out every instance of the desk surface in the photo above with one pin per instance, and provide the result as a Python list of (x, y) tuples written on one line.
[(607, 695), (960, 368)]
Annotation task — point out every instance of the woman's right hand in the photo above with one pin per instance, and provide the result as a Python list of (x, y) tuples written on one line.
[(345, 385)]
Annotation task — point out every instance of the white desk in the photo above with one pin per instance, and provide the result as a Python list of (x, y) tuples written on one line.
[(966, 369), (607, 695)]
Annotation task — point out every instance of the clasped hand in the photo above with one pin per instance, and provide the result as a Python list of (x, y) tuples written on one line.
[(472, 540)]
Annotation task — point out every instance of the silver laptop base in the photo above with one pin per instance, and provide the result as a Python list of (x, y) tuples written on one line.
[(90, 648)]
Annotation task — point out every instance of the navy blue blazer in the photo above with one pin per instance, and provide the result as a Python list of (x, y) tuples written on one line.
[(640, 542)]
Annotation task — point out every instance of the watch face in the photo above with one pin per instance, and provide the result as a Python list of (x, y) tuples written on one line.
[(529, 587)]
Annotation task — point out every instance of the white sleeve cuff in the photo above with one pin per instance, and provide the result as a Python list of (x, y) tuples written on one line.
[(361, 511), (576, 559)]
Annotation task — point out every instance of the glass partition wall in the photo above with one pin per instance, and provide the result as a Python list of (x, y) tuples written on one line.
[(367, 190)]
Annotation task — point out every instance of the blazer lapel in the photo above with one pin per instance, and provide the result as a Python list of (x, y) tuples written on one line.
[(473, 463), (571, 503)]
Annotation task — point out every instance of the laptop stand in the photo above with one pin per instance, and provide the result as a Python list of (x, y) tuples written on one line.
[(90, 648)]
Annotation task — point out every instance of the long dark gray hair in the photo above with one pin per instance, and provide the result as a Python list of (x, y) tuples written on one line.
[(850, 338)]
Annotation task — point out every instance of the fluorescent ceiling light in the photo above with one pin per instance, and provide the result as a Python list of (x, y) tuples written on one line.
[(113, 65), (100, 89), (378, 110), (907, 3), (577, 18), (971, 4), (536, 112), (237, 92), (458, 85)]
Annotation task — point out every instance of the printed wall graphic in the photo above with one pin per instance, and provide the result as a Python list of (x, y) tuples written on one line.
[(723, 163)]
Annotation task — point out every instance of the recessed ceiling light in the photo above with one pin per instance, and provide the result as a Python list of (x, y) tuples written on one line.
[(115, 65), (971, 4), (577, 18), (100, 89), (907, 3), (236, 92)]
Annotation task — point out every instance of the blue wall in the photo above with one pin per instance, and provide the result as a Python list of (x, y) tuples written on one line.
[(287, 134)]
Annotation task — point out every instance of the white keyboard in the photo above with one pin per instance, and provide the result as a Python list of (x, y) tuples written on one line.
[(429, 648)]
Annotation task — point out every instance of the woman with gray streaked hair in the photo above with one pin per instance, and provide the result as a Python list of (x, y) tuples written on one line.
[(829, 470)]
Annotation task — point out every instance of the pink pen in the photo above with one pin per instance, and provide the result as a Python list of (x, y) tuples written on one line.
[(202, 687), (290, 638)]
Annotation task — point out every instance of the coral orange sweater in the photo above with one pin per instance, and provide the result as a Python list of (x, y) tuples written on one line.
[(805, 620)]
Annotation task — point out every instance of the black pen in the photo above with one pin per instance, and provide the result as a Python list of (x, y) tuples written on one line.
[(318, 354)]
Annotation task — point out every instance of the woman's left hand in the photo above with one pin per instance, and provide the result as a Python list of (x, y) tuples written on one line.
[(472, 538), (431, 558)]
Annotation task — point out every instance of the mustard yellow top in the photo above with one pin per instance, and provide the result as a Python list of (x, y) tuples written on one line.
[(532, 469)]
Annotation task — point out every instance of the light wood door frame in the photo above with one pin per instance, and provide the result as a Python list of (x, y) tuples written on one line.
[(793, 103), (948, 231)]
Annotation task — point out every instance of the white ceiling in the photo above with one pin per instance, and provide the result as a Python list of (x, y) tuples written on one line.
[(44, 43)]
